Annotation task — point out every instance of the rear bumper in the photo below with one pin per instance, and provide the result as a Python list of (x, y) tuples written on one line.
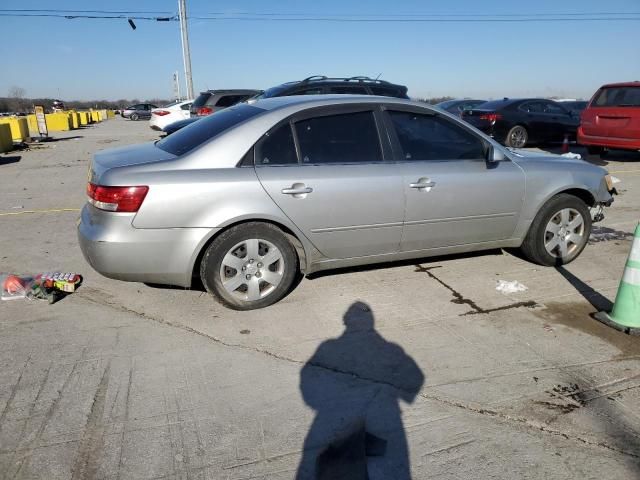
[(115, 249), (608, 142)]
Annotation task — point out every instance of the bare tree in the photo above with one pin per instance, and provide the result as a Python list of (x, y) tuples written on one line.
[(16, 94)]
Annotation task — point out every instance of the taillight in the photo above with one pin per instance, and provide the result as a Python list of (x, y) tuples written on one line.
[(204, 111), (160, 113), (491, 117), (116, 199)]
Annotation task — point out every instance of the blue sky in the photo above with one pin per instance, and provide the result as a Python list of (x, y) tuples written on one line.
[(96, 59)]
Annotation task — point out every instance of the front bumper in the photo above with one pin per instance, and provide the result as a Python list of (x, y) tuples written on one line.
[(115, 249)]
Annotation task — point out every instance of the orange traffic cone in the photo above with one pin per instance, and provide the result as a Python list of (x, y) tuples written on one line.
[(565, 144)]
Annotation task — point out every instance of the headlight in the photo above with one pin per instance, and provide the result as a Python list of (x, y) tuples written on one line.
[(609, 180)]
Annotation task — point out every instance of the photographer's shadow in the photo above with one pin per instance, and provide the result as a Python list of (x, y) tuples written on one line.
[(355, 382)]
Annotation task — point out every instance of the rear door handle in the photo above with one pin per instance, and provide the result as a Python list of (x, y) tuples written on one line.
[(297, 189), (423, 184)]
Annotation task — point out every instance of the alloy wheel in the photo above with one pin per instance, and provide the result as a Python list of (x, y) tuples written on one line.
[(252, 269), (564, 234)]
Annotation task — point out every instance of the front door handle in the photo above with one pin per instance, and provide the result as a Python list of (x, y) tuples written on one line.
[(298, 190), (423, 184)]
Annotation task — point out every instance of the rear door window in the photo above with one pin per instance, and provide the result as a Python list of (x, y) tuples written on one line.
[(554, 109), (277, 147), (341, 138), (532, 107), (430, 137), (618, 97), (197, 133)]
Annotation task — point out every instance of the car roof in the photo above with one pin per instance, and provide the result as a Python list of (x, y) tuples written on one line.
[(231, 91), (635, 83), (276, 103)]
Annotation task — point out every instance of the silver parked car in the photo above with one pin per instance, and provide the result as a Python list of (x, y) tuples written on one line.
[(249, 197)]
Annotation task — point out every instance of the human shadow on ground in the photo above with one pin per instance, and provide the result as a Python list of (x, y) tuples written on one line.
[(355, 383)]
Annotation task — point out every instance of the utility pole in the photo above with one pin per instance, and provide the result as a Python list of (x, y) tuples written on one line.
[(176, 86), (186, 54)]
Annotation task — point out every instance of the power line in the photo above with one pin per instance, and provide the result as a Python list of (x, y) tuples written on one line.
[(278, 17)]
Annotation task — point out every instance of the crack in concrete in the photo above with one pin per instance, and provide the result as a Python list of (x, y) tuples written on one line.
[(459, 299), (469, 408)]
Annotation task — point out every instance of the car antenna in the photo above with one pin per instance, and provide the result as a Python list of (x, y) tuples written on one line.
[(378, 76)]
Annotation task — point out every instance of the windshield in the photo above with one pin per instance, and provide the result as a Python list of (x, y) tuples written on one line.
[(194, 135), (618, 97)]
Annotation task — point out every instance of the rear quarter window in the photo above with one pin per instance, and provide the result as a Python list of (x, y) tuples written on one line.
[(198, 133), (201, 100)]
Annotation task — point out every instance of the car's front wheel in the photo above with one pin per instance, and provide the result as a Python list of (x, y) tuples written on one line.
[(517, 137), (559, 231), (252, 265)]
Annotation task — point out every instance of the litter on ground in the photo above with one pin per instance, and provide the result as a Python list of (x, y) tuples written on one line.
[(506, 287), (571, 155)]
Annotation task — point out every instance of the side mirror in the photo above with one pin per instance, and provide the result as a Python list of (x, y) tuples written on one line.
[(495, 155)]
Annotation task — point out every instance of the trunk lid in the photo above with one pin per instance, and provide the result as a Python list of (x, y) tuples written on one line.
[(105, 160), (477, 117)]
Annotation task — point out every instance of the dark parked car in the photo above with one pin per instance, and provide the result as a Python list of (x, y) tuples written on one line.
[(213, 100), (575, 106), (518, 122), (319, 85), (138, 111), (612, 119), (175, 126), (457, 106)]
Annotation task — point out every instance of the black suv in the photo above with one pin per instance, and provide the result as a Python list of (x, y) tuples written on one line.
[(213, 100), (318, 85)]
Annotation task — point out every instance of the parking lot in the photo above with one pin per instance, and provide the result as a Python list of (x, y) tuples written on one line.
[(459, 380)]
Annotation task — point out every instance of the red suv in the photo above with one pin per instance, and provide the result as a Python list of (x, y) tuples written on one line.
[(612, 119)]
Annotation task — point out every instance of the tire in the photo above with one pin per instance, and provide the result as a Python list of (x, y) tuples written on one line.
[(517, 137), (134, 117), (593, 150), (544, 246), (225, 268)]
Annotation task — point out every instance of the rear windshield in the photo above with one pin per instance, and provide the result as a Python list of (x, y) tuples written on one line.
[(201, 100), (617, 97), (194, 135)]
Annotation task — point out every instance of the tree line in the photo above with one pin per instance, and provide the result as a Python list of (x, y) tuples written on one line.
[(17, 103)]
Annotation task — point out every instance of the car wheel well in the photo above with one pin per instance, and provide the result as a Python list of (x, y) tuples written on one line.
[(297, 244), (583, 195)]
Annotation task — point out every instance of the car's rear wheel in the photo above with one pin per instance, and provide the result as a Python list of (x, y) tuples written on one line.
[(134, 116), (517, 137), (559, 232), (252, 265)]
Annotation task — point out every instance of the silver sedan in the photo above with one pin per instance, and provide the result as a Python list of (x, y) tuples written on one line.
[(250, 197)]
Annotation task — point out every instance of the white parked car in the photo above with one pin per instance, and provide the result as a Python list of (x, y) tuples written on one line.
[(163, 116)]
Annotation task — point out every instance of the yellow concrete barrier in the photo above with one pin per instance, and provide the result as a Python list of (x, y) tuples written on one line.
[(95, 116), (73, 118), (58, 122), (111, 114), (84, 118), (19, 127), (33, 123), (6, 142)]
